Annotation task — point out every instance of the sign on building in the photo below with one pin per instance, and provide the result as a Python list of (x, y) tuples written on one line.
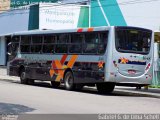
[(56, 16)]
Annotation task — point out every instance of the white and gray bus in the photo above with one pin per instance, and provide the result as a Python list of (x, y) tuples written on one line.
[(101, 56)]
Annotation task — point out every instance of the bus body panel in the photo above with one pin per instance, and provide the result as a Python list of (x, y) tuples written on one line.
[(85, 71)]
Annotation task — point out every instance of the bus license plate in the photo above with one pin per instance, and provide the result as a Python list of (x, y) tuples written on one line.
[(131, 71)]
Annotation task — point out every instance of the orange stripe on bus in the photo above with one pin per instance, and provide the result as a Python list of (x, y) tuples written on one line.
[(72, 61), (60, 75), (58, 66), (54, 66), (63, 59), (51, 72), (90, 29), (58, 78), (58, 69), (80, 30)]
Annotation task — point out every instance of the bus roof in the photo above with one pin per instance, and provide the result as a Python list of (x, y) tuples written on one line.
[(49, 31)]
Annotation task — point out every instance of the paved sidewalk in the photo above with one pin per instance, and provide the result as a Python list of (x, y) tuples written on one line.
[(152, 92), (4, 76)]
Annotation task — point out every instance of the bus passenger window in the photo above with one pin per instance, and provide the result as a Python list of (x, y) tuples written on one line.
[(103, 39), (25, 44), (61, 48), (76, 43), (48, 48), (25, 40), (62, 38), (36, 46), (15, 44), (146, 42), (75, 48), (91, 40), (15, 39), (25, 48), (101, 48), (77, 38), (36, 49), (49, 39), (90, 48), (37, 39)]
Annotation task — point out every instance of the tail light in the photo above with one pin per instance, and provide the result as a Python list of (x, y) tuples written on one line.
[(148, 66)]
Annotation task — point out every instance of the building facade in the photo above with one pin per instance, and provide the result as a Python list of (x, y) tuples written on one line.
[(126, 12), (40, 16), (4, 5)]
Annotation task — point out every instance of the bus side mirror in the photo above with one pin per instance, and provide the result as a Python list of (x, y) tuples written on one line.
[(10, 46)]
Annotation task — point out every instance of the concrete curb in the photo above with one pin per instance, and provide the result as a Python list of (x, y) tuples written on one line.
[(138, 93)]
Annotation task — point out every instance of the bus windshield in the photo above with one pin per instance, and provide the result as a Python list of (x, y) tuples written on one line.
[(132, 40)]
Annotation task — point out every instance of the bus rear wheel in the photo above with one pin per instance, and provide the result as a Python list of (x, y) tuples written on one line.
[(105, 88), (23, 78), (30, 81), (79, 87), (55, 84), (69, 81)]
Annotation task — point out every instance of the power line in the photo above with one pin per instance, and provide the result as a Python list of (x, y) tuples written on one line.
[(106, 5), (122, 3)]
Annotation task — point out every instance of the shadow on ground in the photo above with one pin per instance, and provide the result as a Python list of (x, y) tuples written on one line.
[(6, 108), (91, 90)]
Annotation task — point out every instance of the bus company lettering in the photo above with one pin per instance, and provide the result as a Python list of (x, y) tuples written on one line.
[(123, 60), (58, 66), (127, 61)]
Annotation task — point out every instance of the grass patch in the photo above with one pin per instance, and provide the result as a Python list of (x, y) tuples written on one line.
[(154, 86)]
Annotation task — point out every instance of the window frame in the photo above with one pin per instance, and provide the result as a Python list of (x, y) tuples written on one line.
[(69, 42)]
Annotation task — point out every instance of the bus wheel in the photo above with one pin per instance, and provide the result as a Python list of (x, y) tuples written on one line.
[(105, 88), (23, 78), (30, 81), (79, 86), (69, 81), (55, 84)]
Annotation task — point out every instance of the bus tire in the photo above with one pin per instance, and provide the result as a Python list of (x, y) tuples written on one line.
[(79, 87), (55, 84), (30, 81), (105, 88), (23, 78), (69, 81)]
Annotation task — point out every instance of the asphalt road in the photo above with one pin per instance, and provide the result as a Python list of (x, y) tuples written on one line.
[(16, 98)]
